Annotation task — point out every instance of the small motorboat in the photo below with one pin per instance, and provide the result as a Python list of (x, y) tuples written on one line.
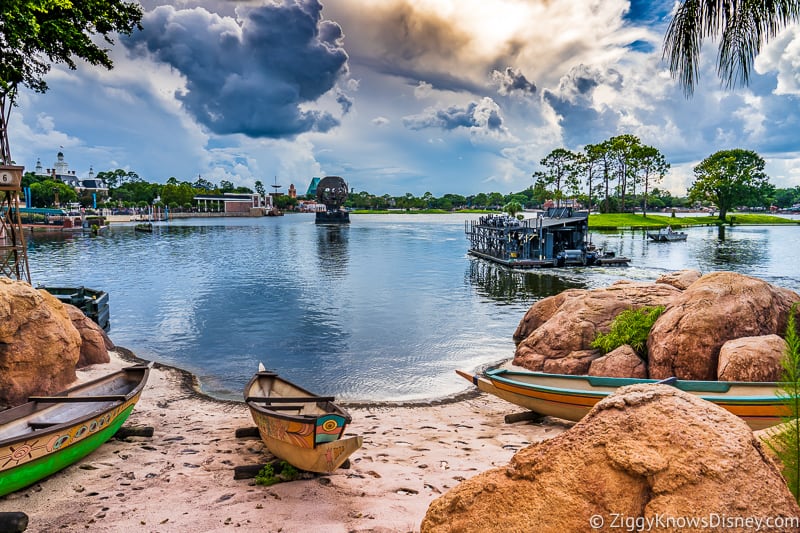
[(666, 235)]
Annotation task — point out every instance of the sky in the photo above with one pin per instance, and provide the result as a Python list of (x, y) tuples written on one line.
[(400, 96)]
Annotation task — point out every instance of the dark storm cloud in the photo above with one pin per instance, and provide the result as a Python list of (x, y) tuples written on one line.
[(345, 101), (581, 123), (483, 114), (250, 77), (512, 81)]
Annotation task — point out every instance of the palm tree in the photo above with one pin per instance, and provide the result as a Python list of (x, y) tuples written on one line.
[(743, 27)]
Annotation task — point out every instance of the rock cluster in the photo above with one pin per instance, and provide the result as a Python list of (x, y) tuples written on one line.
[(40, 345), (647, 454), (702, 314)]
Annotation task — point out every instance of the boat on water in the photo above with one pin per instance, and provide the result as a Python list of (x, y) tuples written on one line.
[(300, 427), (49, 433), (144, 227), (556, 238), (666, 235), (93, 302), (571, 397)]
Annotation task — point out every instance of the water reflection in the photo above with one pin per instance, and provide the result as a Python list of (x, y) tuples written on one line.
[(510, 286), (332, 250)]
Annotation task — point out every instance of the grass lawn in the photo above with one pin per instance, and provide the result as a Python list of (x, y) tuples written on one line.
[(625, 220)]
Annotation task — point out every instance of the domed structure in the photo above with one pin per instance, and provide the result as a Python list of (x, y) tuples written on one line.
[(332, 191)]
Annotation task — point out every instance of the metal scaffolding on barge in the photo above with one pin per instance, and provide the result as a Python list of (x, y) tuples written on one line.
[(558, 237)]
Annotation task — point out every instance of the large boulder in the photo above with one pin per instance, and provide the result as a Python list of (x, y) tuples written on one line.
[(646, 453), (39, 346), (752, 359), (541, 311), (622, 362), (686, 339), (95, 344), (680, 279), (573, 319)]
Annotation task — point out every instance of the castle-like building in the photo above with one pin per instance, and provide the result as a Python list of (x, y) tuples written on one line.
[(61, 172)]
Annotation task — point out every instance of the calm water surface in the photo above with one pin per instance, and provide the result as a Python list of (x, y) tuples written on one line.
[(382, 309)]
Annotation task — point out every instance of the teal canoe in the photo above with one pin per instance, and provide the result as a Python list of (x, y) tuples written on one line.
[(571, 397), (49, 433)]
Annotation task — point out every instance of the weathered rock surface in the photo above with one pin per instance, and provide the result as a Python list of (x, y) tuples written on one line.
[(686, 339), (680, 279), (541, 311), (94, 341), (39, 346), (570, 321), (620, 363), (751, 359), (576, 363), (646, 452)]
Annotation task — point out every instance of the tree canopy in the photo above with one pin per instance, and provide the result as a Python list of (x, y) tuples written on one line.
[(730, 178), (742, 27), (34, 34)]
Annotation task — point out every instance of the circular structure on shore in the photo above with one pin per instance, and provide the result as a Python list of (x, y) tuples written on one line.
[(332, 191)]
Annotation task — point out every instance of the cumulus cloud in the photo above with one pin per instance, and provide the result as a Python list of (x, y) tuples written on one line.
[(256, 75), (512, 81), (782, 56), (483, 115)]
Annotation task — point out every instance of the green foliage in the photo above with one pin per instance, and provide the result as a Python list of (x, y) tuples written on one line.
[(630, 327), (731, 178), (276, 473), (512, 208), (785, 441), (35, 34)]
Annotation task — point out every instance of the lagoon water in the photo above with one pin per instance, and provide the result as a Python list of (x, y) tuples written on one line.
[(383, 309)]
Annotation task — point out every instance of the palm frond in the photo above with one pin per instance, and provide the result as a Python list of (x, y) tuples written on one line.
[(743, 26)]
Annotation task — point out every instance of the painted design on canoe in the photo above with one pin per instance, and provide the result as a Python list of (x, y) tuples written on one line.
[(16, 454), (572, 397), (49, 433), (298, 426), (329, 428)]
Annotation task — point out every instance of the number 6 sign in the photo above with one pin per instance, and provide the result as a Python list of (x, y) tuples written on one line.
[(10, 177)]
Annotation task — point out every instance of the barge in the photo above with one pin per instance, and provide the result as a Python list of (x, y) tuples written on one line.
[(558, 237)]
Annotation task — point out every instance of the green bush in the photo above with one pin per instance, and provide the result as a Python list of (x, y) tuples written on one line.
[(630, 327), (785, 439), (270, 475)]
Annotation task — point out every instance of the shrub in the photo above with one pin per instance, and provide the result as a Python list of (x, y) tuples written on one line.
[(630, 327), (270, 475), (785, 440)]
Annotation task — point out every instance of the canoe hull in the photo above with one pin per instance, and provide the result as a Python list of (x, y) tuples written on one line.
[(298, 426), (46, 464), (36, 454), (323, 458), (572, 397)]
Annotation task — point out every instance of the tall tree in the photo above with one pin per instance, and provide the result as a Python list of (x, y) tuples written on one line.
[(743, 27), (260, 188), (651, 166), (729, 178), (37, 33), (559, 165), (622, 149)]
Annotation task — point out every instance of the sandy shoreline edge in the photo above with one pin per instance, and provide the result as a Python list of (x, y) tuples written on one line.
[(181, 479)]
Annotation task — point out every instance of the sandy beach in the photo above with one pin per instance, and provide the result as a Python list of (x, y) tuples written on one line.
[(182, 478)]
